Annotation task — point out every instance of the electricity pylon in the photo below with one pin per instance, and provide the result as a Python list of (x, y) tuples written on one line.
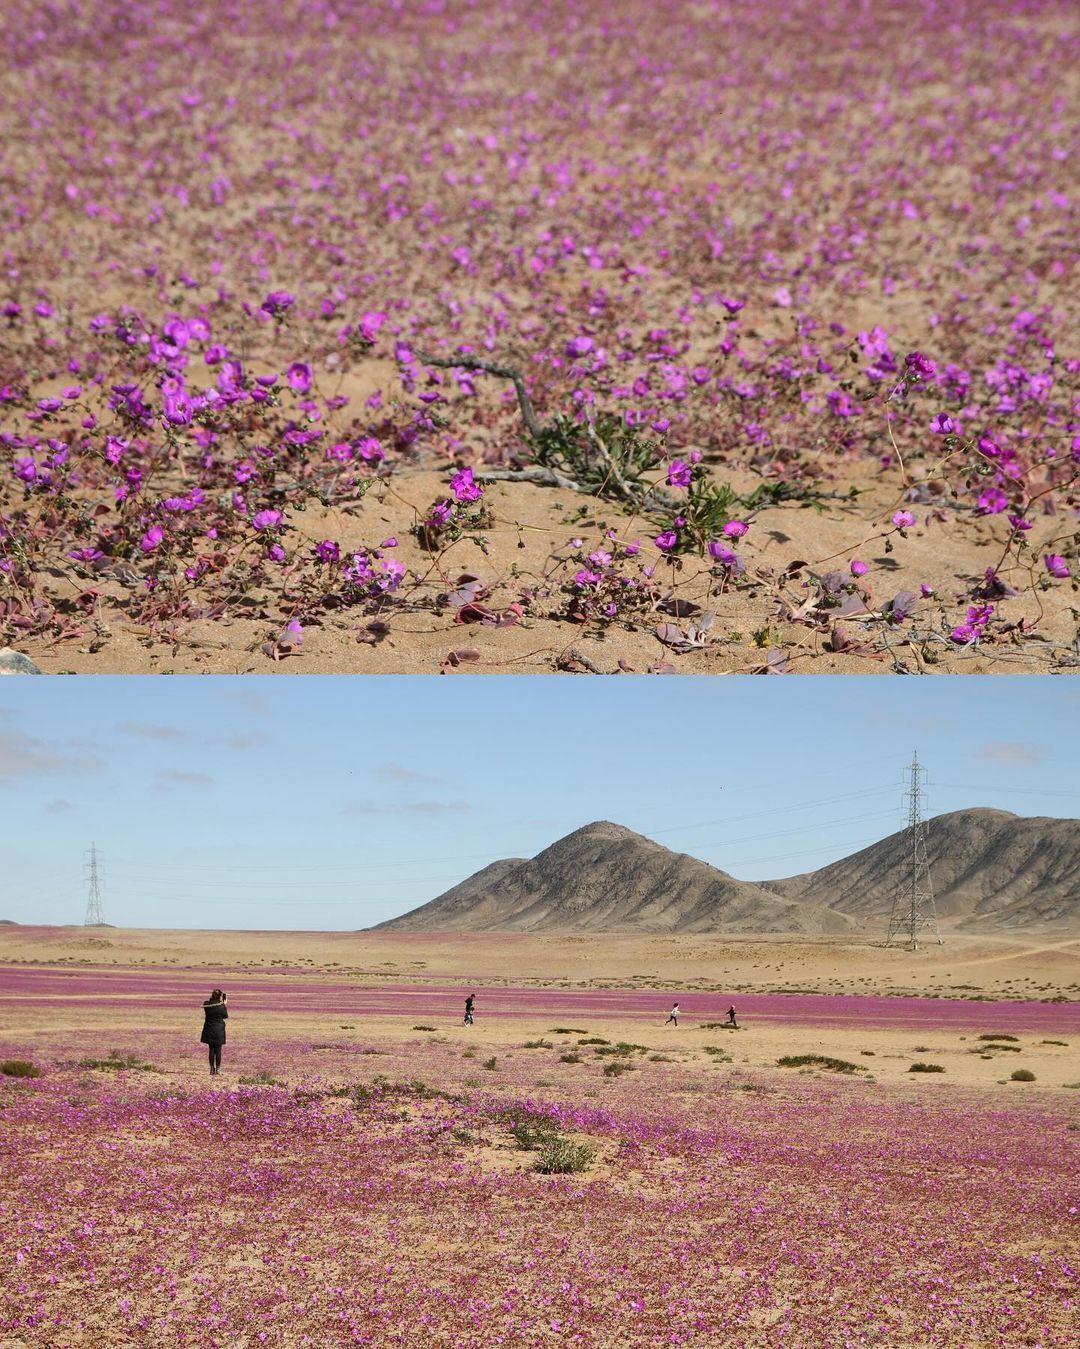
[(914, 912), (95, 915)]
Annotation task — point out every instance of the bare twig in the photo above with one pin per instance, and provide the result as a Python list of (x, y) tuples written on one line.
[(492, 368)]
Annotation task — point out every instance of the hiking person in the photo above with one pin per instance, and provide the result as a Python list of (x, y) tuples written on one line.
[(215, 1014), (731, 1017), (673, 1015), (469, 1009)]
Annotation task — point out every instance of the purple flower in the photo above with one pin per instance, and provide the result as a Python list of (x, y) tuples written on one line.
[(216, 354), (463, 487), (735, 529), (1056, 565), (903, 519), (668, 539), (579, 346), (993, 501), (1019, 523), (327, 551), (277, 302), (151, 538), (942, 425), (299, 376), (719, 551), (920, 366), (266, 519), (25, 468), (276, 553), (858, 568), (679, 473)]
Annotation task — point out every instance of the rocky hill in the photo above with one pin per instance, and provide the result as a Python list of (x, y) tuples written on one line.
[(604, 878), (988, 868)]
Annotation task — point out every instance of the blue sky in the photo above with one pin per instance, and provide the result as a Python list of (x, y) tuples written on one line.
[(333, 803)]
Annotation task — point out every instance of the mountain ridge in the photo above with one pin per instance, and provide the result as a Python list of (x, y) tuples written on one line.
[(988, 868)]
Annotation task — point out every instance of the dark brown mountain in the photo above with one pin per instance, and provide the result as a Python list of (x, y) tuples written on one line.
[(604, 878), (987, 867)]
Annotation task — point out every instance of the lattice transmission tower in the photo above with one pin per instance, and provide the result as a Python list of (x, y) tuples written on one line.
[(914, 913), (95, 914)]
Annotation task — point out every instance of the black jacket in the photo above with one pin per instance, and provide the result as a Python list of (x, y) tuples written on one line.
[(213, 1031)]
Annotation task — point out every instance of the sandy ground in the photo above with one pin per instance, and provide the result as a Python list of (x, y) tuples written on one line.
[(526, 549), (703, 972)]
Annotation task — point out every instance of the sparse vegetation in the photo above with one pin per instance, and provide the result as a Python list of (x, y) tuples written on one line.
[(998, 1036), (537, 1044), (819, 1061), (263, 1078), (926, 1068), (491, 1064), (120, 1063), (423, 1028), (1022, 1075), (20, 1068), (568, 1030), (561, 1156)]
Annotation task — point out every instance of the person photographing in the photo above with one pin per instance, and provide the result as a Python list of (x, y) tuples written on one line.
[(215, 1014)]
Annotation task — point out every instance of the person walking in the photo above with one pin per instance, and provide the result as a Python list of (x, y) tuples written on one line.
[(673, 1015), (468, 1009), (215, 1014), (731, 1017)]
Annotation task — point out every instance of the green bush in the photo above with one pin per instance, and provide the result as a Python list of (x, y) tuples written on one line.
[(537, 1044), (567, 1030), (720, 1054), (995, 1036), (617, 1068), (491, 1064), (570, 1058), (263, 1078), (120, 1063), (1023, 1075), (20, 1068), (594, 1040), (535, 1133), (926, 1068), (819, 1061), (423, 1028), (563, 1155)]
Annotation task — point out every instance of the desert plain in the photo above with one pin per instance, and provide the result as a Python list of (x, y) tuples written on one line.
[(568, 1170)]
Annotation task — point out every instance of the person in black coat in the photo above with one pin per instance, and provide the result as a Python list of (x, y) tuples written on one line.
[(215, 1014)]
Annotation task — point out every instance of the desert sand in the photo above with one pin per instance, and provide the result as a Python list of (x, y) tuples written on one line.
[(374, 987)]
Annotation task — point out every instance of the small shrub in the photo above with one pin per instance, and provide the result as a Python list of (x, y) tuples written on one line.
[(617, 1068), (120, 1063), (535, 1133), (568, 1030), (995, 1036), (1055, 1042), (819, 1061), (594, 1040), (721, 1055), (423, 1028), (263, 1078), (491, 1064), (1022, 1075), (623, 1049), (20, 1068), (562, 1155), (570, 1058), (926, 1068), (537, 1044), (661, 1058), (868, 1053)]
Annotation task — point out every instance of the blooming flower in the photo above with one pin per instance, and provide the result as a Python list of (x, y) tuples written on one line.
[(859, 568), (667, 539), (299, 376), (942, 425), (151, 538), (266, 519), (679, 473), (903, 519), (463, 487), (735, 529), (920, 366), (1056, 565)]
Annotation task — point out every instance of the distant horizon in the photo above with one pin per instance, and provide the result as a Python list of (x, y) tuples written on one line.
[(248, 804)]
